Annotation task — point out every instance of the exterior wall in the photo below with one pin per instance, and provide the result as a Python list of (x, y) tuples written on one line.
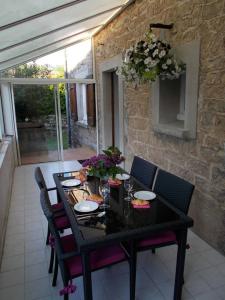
[(201, 161), (81, 135), (7, 165)]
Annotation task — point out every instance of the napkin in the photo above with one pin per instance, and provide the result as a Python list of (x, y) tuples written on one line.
[(140, 203), (141, 206)]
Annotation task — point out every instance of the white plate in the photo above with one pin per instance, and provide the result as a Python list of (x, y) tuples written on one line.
[(86, 206), (123, 176), (145, 195), (71, 182)]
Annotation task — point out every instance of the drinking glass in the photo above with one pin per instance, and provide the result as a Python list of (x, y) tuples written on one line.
[(128, 186), (104, 190)]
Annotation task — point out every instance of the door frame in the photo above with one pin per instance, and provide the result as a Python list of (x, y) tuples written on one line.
[(57, 107), (106, 67)]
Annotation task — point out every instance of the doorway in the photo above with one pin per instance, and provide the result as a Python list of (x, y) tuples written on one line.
[(37, 122), (112, 104)]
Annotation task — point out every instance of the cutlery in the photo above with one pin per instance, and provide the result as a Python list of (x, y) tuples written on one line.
[(98, 215)]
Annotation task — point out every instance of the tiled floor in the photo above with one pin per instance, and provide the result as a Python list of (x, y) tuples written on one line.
[(44, 156), (24, 266)]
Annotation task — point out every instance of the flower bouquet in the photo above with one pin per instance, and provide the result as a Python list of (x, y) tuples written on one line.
[(102, 167), (105, 165)]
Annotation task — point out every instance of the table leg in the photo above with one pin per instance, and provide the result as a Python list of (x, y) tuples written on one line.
[(182, 241), (133, 264), (87, 284)]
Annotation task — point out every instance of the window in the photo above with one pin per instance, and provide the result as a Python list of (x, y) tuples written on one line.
[(175, 101), (81, 103)]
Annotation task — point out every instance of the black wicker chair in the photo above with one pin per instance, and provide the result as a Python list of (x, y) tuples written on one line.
[(58, 207), (177, 192), (144, 171), (69, 258)]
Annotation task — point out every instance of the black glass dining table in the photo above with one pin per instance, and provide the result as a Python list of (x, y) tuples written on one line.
[(120, 222)]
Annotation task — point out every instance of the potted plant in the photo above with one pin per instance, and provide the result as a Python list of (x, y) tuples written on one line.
[(148, 59)]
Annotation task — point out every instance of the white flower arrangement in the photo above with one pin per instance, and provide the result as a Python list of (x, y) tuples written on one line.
[(148, 59)]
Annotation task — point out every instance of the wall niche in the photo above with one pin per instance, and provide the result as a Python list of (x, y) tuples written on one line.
[(175, 101)]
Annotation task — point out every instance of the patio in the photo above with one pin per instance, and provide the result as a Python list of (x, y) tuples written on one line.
[(25, 260)]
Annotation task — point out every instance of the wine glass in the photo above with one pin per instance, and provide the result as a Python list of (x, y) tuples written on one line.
[(128, 186), (104, 190), (83, 178)]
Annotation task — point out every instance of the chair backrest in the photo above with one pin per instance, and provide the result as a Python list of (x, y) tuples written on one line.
[(143, 171), (46, 207), (174, 189), (40, 178), (46, 204)]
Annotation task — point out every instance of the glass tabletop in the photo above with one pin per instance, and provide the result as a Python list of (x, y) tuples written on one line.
[(121, 216)]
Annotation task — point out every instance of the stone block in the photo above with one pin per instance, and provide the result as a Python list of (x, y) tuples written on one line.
[(218, 176), (198, 167), (213, 9), (138, 123), (180, 171)]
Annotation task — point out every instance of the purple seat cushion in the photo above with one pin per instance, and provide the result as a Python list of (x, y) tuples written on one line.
[(99, 258), (62, 222), (57, 206), (160, 238)]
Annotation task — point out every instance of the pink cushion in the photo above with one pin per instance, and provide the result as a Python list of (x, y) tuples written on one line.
[(160, 238), (62, 222), (57, 206), (98, 258)]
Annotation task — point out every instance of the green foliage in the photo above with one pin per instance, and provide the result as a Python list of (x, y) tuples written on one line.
[(30, 70), (34, 101)]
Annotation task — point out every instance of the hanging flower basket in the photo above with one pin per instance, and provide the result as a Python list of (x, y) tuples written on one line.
[(148, 59)]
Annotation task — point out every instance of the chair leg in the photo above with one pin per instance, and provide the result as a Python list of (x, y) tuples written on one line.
[(55, 272), (50, 269), (48, 234), (153, 251), (66, 297)]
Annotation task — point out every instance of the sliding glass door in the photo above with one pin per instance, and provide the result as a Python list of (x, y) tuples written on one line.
[(37, 118)]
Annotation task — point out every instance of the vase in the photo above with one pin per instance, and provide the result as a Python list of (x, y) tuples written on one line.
[(94, 184)]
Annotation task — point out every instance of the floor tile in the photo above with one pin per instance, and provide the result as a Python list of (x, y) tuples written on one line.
[(213, 257), (35, 257), (11, 278), (211, 295), (213, 277), (15, 292), (12, 263), (38, 289)]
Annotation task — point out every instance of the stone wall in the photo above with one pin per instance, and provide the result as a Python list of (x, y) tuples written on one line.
[(82, 135), (201, 161)]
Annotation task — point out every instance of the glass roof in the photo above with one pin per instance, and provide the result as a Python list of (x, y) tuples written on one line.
[(30, 29)]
